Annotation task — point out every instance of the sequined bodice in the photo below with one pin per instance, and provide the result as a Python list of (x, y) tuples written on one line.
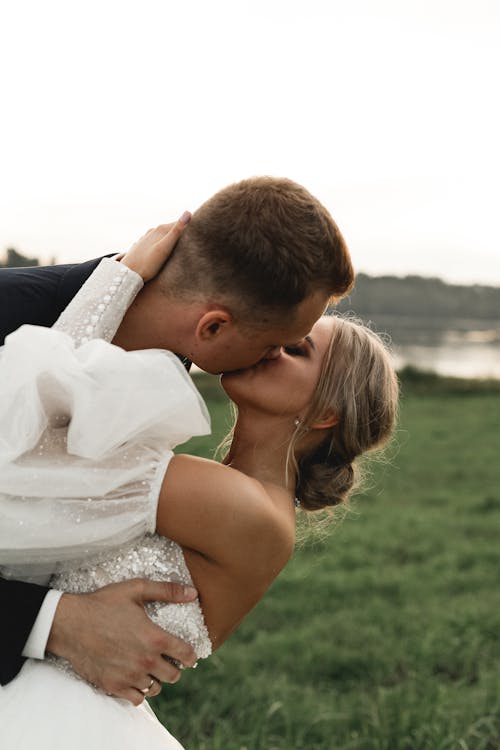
[(154, 557)]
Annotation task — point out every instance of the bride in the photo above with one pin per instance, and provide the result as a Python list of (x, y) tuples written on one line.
[(86, 426)]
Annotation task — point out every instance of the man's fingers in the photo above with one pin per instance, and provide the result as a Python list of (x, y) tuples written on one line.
[(155, 689), (137, 695), (176, 593), (130, 694), (165, 671), (112, 643), (151, 689), (170, 649)]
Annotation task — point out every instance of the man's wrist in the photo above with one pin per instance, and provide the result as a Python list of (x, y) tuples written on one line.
[(57, 641)]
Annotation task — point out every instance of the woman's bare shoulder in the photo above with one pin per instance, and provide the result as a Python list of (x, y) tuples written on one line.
[(236, 533), (204, 501)]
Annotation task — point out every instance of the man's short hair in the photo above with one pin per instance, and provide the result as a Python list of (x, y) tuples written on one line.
[(261, 244)]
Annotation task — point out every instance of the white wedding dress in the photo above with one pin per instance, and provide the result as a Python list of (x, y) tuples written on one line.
[(86, 434)]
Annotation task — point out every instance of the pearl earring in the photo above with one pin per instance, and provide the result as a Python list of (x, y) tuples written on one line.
[(296, 421)]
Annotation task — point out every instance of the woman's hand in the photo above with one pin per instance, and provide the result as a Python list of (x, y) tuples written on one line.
[(148, 255)]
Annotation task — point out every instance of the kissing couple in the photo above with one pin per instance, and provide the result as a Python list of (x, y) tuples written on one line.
[(121, 562)]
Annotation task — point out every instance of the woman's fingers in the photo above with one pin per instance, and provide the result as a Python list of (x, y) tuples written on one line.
[(148, 255)]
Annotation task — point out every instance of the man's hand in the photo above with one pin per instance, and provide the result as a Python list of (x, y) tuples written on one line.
[(111, 642), (148, 255)]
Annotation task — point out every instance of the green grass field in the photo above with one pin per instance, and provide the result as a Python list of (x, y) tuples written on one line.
[(385, 635)]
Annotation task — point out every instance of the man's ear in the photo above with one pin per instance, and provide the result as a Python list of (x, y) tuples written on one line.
[(329, 420), (212, 323)]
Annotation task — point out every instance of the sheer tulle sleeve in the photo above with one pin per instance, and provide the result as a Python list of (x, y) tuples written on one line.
[(86, 431)]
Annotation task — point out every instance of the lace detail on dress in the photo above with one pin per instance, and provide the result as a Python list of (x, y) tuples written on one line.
[(154, 557), (98, 309)]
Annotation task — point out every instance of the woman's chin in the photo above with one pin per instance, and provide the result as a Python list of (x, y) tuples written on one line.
[(243, 373), (235, 382)]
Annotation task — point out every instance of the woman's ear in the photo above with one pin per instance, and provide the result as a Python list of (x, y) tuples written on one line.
[(329, 420), (212, 323)]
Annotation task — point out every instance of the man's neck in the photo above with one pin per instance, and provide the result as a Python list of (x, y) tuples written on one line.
[(155, 321)]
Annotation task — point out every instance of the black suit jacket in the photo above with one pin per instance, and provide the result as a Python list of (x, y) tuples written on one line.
[(35, 295)]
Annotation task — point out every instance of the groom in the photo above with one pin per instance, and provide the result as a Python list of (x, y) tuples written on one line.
[(251, 272)]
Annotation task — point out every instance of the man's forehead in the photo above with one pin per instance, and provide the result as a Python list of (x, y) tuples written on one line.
[(307, 313), (292, 334), (294, 324)]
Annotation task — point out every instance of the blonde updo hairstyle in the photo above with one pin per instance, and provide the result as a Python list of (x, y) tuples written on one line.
[(358, 384)]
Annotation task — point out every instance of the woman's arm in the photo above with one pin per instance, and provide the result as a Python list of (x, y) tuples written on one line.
[(82, 628), (97, 392), (97, 310), (236, 534)]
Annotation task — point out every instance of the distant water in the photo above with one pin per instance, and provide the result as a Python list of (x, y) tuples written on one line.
[(464, 361), (470, 349)]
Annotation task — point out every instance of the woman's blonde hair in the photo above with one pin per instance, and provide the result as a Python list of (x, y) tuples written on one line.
[(359, 386)]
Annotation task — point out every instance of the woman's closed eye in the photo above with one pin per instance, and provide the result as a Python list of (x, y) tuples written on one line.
[(295, 350)]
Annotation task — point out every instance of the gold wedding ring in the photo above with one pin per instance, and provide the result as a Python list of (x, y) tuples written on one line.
[(146, 690)]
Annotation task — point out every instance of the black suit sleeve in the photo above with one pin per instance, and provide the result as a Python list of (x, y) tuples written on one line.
[(38, 295), (20, 604), (35, 295)]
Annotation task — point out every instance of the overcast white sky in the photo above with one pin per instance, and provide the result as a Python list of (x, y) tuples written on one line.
[(116, 116)]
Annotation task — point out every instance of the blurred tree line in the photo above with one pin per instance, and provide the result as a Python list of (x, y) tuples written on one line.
[(418, 296), (17, 260)]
